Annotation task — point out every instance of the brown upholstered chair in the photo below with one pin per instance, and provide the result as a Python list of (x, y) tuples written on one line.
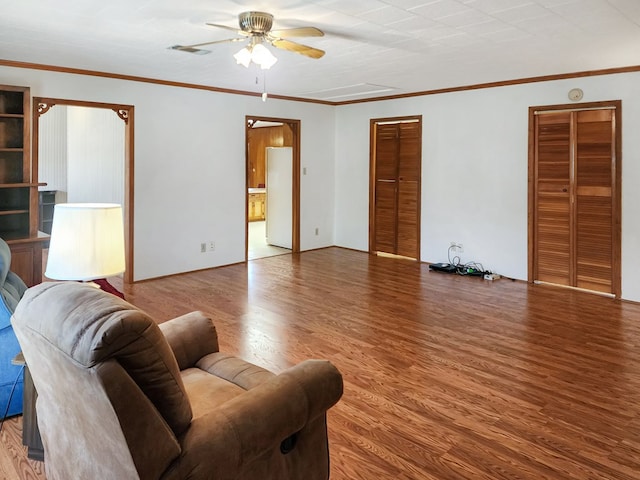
[(120, 397)]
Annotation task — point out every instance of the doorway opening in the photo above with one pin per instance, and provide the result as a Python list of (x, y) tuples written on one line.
[(123, 117), (272, 151)]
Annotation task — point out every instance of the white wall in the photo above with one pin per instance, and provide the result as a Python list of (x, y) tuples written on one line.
[(96, 148), (52, 149), (190, 166), (474, 170), (81, 154), (190, 178)]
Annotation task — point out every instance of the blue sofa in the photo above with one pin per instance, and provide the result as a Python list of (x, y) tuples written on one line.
[(11, 290)]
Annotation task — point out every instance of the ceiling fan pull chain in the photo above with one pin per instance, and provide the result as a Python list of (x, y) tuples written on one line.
[(264, 85)]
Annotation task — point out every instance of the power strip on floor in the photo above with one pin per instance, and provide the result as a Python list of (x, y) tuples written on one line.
[(491, 276)]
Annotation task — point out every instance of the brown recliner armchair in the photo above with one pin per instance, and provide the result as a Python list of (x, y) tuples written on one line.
[(120, 397)]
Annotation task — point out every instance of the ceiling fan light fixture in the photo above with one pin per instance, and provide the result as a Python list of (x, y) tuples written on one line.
[(258, 54), (256, 27), (263, 57), (243, 57)]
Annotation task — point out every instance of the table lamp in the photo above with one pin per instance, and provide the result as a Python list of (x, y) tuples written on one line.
[(87, 243)]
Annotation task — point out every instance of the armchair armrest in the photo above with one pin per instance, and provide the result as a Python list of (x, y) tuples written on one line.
[(191, 337), (258, 420)]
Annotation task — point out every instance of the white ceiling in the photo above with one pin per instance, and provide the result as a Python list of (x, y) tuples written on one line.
[(374, 47)]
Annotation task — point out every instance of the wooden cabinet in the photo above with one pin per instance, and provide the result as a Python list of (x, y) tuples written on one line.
[(256, 206), (19, 185), (26, 258), (258, 139)]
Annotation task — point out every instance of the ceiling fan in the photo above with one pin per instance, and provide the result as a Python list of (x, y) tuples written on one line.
[(256, 27)]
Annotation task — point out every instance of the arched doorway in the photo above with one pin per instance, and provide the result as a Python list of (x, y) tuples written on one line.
[(42, 105)]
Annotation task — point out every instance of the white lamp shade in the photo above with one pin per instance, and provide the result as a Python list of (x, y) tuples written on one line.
[(263, 57), (243, 57), (258, 54), (87, 242)]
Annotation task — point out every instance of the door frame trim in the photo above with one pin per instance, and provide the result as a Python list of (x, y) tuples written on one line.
[(616, 194), (295, 130)]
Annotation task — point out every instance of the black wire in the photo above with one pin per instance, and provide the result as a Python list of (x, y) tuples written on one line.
[(469, 268), (13, 388)]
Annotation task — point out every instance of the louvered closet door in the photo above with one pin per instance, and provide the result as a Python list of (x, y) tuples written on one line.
[(397, 167), (409, 149), (553, 201), (594, 206), (386, 172), (576, 235)]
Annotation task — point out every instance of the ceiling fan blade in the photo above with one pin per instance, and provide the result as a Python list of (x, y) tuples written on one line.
[(297, 48), (297, 32), (226, 27), (191, 48)]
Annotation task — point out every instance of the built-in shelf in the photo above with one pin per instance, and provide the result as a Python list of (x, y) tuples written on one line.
[(19, 186), (22, 185), (12, 212)]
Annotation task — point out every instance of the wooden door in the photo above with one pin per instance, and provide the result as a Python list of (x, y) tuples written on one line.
[(575, 170), (408, 199), (594, 206), (553, 199), (386, 195), (395, 200)]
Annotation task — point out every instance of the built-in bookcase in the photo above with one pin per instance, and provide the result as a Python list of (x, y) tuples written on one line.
[(19, 185)]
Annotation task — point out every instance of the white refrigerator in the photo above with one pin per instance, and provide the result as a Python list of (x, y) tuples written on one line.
[(279, 207)]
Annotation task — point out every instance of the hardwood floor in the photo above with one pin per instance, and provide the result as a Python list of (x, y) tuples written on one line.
[(446, 377)]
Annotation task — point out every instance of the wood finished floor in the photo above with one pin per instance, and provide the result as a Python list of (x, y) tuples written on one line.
[(446, 377)]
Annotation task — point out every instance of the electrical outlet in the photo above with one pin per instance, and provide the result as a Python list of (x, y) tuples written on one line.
[(212, 245), (456, 247), (317, 230), (203, 247)]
